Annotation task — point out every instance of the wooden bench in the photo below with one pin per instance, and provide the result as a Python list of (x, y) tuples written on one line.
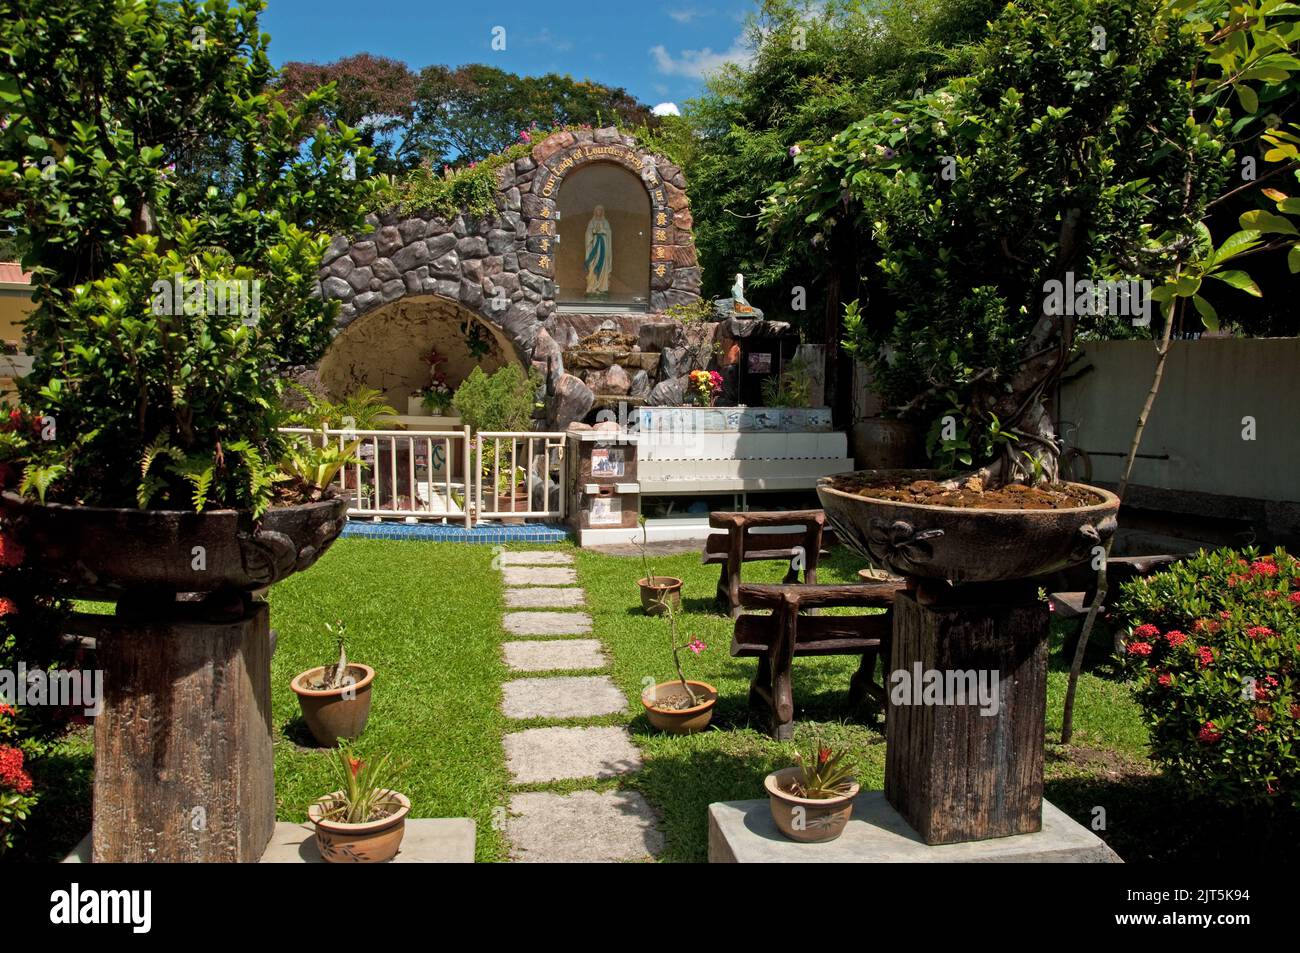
[(776, 639), (741, 543)]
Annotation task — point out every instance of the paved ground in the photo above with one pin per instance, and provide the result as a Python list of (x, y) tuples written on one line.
[(544, 603)]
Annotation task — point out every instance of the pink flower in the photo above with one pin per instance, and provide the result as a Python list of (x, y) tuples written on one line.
[(696, 646), (524, 136)]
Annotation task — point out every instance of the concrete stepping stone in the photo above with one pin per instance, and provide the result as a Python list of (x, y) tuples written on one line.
[(537, 558), (554, 754), (547, 623), (539, 576), (569, 696), (583, 827), (541, 597), (553, 655)]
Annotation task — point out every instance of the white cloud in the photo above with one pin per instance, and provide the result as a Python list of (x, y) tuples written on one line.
[(696, 64), (549, 40), (666, 109), (685, 16)]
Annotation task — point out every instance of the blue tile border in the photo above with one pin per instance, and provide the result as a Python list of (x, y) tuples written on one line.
[(443, 533)]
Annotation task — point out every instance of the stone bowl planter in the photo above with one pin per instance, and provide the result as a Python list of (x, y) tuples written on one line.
[(657, 590), (102, 552), (334, 713), (963, 544), (373, 842), (684, 721), (806, 819)]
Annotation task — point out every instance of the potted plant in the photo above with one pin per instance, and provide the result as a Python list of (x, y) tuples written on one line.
[(657, 592), (681, 707), (363, 822), (813, 801), (335, 699)]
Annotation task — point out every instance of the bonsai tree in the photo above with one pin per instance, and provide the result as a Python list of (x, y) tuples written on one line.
[(983, 218), (173, 211)]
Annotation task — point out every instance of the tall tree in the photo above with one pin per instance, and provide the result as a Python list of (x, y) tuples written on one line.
[(373, 94)]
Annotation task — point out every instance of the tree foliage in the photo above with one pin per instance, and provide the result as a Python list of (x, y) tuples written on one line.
[(146, 396), (814, 71)]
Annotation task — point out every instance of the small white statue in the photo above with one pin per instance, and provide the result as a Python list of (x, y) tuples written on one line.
[(738, 289)]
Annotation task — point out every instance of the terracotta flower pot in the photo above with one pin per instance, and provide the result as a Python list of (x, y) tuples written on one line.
[(810, 820), (659, 589), (682, 721), (373, 842), (334, 713)]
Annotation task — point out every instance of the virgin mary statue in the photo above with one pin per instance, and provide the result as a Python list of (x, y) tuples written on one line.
[(600, 252)]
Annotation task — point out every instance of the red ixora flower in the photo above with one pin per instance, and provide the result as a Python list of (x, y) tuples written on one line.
[(1166, 679), (1146, 631), (11, 552), (1295, 598), (7, 607), (1263, 567), (1208, 733), (1139, 648), (1225, 614), (1206, 656), (1175, 638), (8, 710), (12, 774), (1260, 632)]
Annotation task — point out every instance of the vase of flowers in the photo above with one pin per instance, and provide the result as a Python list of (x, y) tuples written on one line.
[(703, 388)]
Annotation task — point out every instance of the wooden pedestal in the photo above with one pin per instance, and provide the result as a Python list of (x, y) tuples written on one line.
[(953, 773), (183, 764)]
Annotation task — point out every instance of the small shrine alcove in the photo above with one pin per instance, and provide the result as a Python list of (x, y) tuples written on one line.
[(603, 258)]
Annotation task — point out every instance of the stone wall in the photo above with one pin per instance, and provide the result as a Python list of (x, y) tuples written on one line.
[(501, 267)]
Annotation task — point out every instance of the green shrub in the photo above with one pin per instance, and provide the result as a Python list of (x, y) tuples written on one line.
[(1213, 645), (17, 797), (501, 401)]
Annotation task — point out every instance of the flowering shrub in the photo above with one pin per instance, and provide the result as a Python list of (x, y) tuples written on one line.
[(1215, 646), (16, 796)]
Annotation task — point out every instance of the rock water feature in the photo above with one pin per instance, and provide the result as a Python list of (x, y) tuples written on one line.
[(965, 764)]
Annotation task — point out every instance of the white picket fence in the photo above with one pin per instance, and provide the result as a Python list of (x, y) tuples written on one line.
[(446, 475)]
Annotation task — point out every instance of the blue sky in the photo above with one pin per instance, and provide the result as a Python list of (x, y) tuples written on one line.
[(657, 51)]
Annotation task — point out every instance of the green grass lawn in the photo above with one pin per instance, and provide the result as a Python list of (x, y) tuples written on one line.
[(427, 616)]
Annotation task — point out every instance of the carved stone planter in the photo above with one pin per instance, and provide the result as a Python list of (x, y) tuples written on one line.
[(183, 760), (964, 759), (102, 552), (962, 544)]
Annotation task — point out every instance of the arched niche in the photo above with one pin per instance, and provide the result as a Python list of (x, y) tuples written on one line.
[(386, 348), (626, 206)]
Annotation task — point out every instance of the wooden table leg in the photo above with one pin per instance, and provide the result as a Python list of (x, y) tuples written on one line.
[(782, 663), (735, 559)]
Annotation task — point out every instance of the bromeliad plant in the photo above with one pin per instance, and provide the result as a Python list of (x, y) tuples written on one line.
[(824, 773), (174, 223), (364, 789)]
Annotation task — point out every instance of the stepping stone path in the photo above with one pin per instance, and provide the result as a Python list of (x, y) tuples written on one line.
[(544, 602)]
